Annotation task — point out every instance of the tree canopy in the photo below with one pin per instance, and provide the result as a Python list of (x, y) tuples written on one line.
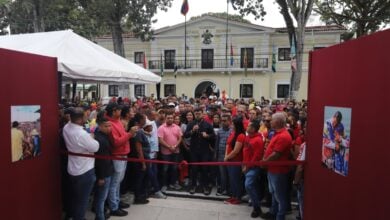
[(120, 16), (298, 10), (361, 16)]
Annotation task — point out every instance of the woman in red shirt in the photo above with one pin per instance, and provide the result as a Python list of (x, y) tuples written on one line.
[(234, 154)]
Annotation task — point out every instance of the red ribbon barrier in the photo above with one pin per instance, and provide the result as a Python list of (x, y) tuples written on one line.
[(257, 163)]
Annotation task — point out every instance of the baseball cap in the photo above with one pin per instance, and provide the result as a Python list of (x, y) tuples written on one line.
[(148, 123)]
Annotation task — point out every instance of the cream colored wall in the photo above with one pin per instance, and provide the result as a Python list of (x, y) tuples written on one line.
[(264, 81)]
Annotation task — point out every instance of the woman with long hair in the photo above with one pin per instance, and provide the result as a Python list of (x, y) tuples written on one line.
[(234, 154)]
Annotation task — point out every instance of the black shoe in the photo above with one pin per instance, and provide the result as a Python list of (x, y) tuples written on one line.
[(192, 190), (256, 212), (141, 201), (107, 215), (123, 205), (119, 212), (268, 215), (206, 191)]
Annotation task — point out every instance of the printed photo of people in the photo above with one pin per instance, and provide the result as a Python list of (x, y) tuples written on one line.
[(25, 132), (336, 139)]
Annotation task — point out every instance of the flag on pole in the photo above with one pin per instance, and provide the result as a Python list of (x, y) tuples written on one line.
[(293, 55), (231, 55), (184, 8), (145, 63), (175, 71), (245, 62), (273, 58), (161, 66)]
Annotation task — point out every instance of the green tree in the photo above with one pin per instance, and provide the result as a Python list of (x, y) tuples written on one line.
[(120, 16), (298, 10), (4, 21), (361, 16), (28, 16)]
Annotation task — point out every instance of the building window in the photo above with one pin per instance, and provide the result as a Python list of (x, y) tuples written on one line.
[(246, 90), (284, 54), (283, 90), (169, 56), (169, 89), (249, 55), (138, 57), (113, 90), (139, 90), (207, 58)]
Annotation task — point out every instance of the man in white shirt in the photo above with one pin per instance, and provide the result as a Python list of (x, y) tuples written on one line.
[(81, 169)]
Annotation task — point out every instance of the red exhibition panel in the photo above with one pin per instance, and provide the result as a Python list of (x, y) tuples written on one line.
[(356, 75), (30, 189)]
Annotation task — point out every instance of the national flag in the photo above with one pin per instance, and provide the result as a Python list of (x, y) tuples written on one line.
[(184, 8), (161, 66), (175, 71), (293, 55), (273, 58), (145, 63), (245, 62), (231, 55)]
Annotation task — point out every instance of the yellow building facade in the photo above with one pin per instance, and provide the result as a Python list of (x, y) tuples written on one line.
[(211, 59)]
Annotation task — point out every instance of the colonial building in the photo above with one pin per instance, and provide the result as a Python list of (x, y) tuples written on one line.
[(211, 59)]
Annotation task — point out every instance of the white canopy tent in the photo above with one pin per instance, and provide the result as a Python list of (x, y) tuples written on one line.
[(78, 58)]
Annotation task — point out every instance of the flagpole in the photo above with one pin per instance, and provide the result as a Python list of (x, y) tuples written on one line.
[(227, 28), (185, 41)]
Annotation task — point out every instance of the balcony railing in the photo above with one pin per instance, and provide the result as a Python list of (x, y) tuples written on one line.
[(258, 63)]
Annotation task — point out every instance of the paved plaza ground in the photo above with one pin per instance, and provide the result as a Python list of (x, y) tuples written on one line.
[(174, 208)]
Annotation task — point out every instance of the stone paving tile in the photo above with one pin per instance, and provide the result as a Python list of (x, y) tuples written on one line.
[(187, 209)]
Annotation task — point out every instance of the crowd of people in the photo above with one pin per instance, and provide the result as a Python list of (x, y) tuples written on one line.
[(182, 131)]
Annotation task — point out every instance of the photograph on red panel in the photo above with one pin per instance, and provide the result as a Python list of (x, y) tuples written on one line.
[(25, 132), (336, 139)]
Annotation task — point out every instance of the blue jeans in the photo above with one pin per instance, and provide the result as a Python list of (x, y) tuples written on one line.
[(101, 194), (235, 180), (82, 186), (252, 186), (300, 192), (172, 178), (117, 177), (223, 182), (278, 184), (153, 177)]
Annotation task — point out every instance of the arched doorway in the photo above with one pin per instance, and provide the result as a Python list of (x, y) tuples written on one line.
[(206, 87)]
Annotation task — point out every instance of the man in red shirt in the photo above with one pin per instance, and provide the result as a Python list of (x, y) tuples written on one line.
[(279, 149), (121, 148), (253, 151)]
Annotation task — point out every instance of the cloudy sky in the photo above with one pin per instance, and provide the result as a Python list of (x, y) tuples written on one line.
[(198, 7)]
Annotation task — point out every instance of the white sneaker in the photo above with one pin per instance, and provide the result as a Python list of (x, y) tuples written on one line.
[(159, 195), (175, 187)]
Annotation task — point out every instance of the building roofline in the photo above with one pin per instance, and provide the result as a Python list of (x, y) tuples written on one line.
[(209, 17), (322, 28)]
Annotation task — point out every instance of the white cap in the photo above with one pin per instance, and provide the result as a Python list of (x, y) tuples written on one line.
[(148, 123), (171, 104)]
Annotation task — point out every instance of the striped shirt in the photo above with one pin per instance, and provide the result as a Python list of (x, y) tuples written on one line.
[(221, 141)]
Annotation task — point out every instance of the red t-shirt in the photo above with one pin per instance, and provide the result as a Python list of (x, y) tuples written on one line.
[(241, 139), (208, 119), (245, 122), (296, 132), (281, 142), (119, 138), (253, 148)]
